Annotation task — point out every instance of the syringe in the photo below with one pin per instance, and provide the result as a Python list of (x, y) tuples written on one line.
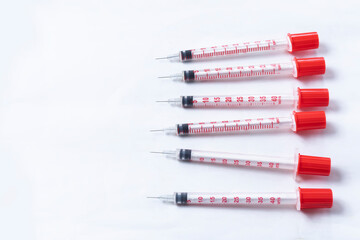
[(297, 121), (298, 67), (302, 198), (300, 98), (292, 43), (298, 163)]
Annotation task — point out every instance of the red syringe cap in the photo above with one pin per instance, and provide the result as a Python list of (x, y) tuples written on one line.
[(309, 66), (315, 198), (303, 41), (313, 97), (309, 120), (311, 165)]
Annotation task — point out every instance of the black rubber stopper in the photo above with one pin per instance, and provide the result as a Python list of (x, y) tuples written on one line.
[(186, 55), (181, 198), (189, 76), (187, 101), (183, 129), (185, 154)]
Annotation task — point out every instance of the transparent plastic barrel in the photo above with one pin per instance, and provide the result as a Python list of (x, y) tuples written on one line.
[(234, 49), (243, 72), (236, 199), (235, 126), (238, 159), (244, 100)]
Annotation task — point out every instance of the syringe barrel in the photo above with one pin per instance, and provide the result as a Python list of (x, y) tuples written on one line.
[(236, 199), (233, 49), (229, 73), (235, 126), (292, 43), (238, 101), (237, 159)]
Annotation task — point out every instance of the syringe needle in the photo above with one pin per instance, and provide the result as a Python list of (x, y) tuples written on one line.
[(168, 101), (164, 152), (170, 130), (157, 130), (176, 101), (159, 197), (167, 57), (175, 77)]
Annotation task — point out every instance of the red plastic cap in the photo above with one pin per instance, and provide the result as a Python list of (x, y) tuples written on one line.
[(309, 120), (313, 97), (315, 198), (310, 165), (303, 41), (309, 66)]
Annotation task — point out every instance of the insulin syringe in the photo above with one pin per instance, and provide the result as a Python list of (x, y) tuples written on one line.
[(297, 67), (298, 163), (302, 198), (292, 43), (297, 121), (300, 98)]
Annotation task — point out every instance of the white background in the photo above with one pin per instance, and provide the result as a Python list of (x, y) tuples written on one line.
[(78, 84)]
